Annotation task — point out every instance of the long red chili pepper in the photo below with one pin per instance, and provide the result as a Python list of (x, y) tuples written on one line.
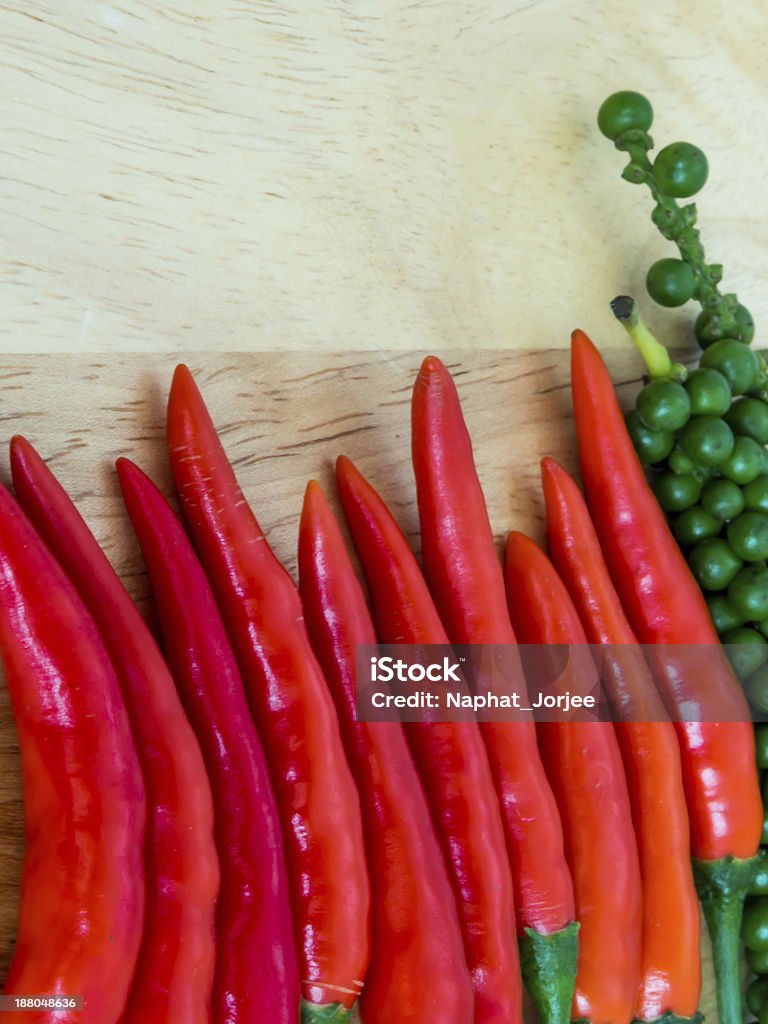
[(174, 970), (294, 712), (583, 763), (664, 606), (671, 967), (466, 579), (82, 883), (450, 757), (418, 972), (256, 975)]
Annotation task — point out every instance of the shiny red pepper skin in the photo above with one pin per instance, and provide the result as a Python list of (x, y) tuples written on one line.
[(418, 972), (256, 975), (450, 757), (671, 965), (584, 765), (294, 712), (82, 883), (664, 606), (465, 576), (174, 971)]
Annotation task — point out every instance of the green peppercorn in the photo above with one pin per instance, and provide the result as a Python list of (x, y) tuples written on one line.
[(709, 328), (680, 463), (747, 650), (757, 960), (745, 461), (748, 591), (709, 393), (652, 446), (707, 440), (722, 499), (715, 565), (723, 614), (676, 493), (756, 689), (737, 363), (695, 524), (624, 111), (749, 418), (748, 536), (759, 885), (756, 995), (663, 405), (754, 929), (670, 282), (680, 170), (756, 494)]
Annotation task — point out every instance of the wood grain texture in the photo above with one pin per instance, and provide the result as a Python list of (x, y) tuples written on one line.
[(283, 418), (352, 174)]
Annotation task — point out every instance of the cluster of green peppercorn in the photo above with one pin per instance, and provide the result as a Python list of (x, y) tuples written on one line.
[(702, 432)]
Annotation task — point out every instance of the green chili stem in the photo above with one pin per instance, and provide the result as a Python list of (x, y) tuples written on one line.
[(548, 965)]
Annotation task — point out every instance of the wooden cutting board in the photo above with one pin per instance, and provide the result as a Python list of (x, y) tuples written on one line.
[(283, 417)]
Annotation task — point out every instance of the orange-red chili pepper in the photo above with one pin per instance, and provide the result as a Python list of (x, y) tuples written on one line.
[(418, 971), (82, 882), (450, 757), (665, 606), (465, 576), (256, 976), (584, 765), (174, 971), (294, 712), (671, 966)]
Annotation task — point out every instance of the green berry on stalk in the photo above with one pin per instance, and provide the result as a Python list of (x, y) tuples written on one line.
[(709, 392), (663, 405), (745, 461), (670, 282), (747, 650), (624, 111), (756, 690), (715, 565), (761, 746), (749, 418), (754, 927), (722, 499), (680, 170), (737, 363), (707, 440), (756, 494), (748, 591), (757, 992), (695, 524), (759, 885), (723, 614), (652, 446), (748, 536), (757, 960), (708, 327), (676, 493), (679, 462)]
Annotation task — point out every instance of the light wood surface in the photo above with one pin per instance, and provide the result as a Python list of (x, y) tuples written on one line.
[(282, 421), (352, 174)]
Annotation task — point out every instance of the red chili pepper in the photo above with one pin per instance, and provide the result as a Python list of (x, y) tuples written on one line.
[(665, 606), (583, 763), (671, 967), (82, 882), (465, 575), (256, 974), (418, 972), (174, 970), (294, 712), (450, 757)]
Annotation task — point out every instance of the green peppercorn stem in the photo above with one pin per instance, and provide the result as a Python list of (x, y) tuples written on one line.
[(655, 355)]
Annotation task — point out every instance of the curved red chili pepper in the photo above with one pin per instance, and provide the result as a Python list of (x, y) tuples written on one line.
[(174, 970), (671, 965), (665, 606), (465, 575), (82, 882), (450, 757), (294, 712), (256, 975), (418, 972), (583, 764)]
